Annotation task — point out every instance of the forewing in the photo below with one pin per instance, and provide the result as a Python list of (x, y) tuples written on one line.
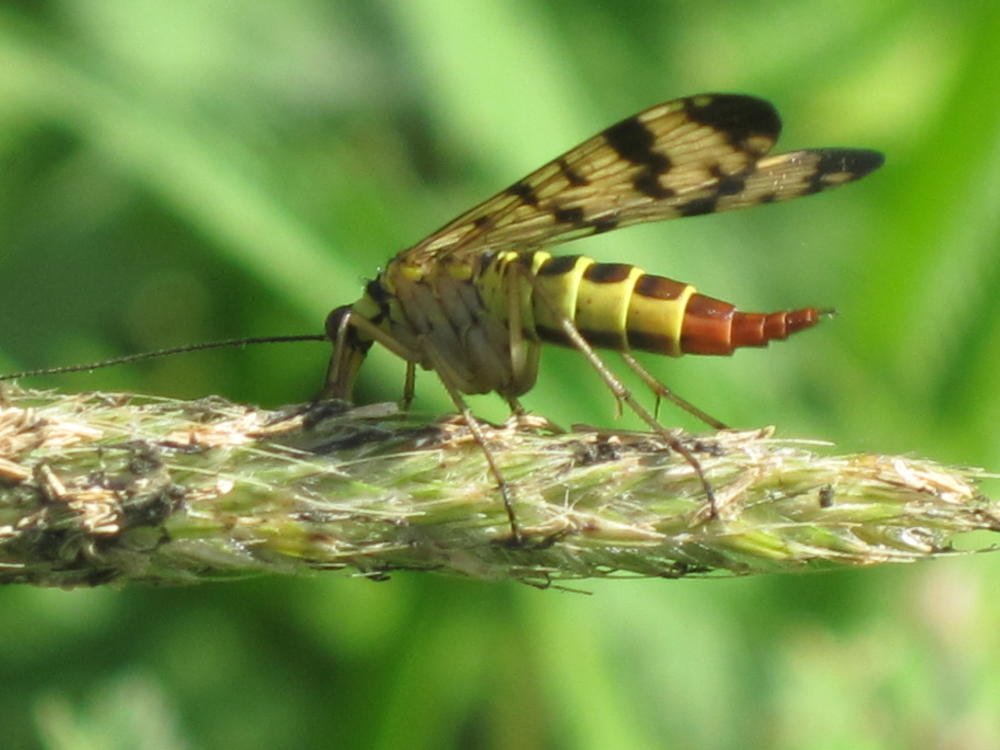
[(790, 175), (686, 157)]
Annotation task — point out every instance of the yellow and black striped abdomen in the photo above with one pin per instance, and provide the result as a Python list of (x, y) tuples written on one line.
[(618, 306)]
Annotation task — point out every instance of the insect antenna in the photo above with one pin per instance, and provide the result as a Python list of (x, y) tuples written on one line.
[(128, 358)]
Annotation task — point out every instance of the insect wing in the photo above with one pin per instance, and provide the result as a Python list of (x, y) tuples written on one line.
[(686, 157)]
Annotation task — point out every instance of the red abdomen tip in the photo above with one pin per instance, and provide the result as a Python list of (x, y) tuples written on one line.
[(714, 327)]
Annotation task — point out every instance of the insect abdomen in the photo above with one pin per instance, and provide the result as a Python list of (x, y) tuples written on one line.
[(618, 306), (715, 327)]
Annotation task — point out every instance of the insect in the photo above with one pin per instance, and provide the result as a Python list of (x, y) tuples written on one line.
[(476, 299)]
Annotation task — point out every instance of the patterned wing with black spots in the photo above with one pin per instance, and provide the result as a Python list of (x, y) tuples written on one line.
[(691, 156)]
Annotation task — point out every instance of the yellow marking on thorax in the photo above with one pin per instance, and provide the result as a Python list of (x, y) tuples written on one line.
[(460, 271), (411, 273)]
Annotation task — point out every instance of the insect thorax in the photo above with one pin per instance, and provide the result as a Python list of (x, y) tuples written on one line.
[(454, 316)]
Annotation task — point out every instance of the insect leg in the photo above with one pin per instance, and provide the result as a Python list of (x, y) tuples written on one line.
[(515, 407), (456, 397), (523, 352), (445, 373), (408, 386), (620, 391), (349, 351), (661, 391), (346, 359), (440, 365)]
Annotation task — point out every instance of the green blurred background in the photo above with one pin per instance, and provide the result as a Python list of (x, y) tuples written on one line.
[(193, 170)]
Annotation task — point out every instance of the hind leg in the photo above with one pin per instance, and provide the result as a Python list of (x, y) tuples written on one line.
[(621, 393), (343, 367), (661, 391), (506, 494)]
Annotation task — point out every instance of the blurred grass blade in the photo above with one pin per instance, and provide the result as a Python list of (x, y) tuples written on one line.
[(185, 161)]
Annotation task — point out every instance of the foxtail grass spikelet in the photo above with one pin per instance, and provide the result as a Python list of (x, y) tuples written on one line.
[(98, 488)]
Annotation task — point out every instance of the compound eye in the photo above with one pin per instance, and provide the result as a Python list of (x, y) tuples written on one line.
[(334, 320)]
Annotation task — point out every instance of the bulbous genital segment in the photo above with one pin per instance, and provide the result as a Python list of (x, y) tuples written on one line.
[(711, 326)]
